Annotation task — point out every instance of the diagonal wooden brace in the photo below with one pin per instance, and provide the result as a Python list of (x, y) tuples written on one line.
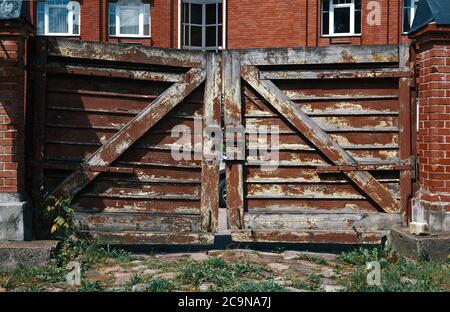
[(130, 133), (321, 140)]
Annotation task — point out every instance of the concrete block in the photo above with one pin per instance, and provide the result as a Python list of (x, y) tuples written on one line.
[(15, 218), (27, 254), (435, 246), (418, 228)]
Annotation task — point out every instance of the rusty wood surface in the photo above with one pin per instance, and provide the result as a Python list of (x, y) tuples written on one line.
[(310, 237), (116, 222), (103, 51), (307, 220), (321, 55), (64, 69), (320, 139), (131, 132), (209, 207), (336, 74), (405, 133), (149, 238), (233, 117)]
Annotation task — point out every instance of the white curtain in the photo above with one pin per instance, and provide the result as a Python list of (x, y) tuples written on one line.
[(129, 20), (57, 20)]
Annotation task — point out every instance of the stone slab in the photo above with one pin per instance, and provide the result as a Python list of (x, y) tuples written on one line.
[(27, 254)]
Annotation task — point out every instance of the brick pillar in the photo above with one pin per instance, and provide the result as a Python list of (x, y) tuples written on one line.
[(13, 205), (431, 204)]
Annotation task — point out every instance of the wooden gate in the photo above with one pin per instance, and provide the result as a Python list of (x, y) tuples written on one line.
[(345, 169), (102, 136)]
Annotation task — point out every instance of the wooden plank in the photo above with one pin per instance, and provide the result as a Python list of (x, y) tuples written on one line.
[(209, 209), (180, 223), (104, 51), (310, 237), (64, 69), (149, 238), (129, 134), (333, 151), (405, 133), (306, 220), (320, 55), (233, 117), (335, 74)]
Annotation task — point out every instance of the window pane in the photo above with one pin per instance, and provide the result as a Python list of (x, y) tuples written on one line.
[(341, 20), (357, 22), (146, 19), (186, 12), (211, 36), (196, 36), (326, 23), (219, 33), (129, 21), (57, 20), (406, 20), (211, 14), (40, 18), (325, 5), (186, 35), (220, 13), (358, 4), (196, 13), (112, 19)]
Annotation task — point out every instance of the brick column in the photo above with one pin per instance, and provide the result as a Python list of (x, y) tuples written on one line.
[(13, 205), (431, 204)]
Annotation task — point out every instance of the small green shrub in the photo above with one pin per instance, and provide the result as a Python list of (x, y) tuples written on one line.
[(160, 285), (312, 258), (90, 286)]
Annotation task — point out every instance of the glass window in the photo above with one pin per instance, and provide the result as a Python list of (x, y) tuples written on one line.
[(58, 18), (129, 19), (202, 24), (409, 11), (341, 17)]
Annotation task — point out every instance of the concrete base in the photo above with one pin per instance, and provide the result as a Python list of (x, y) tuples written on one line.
[(15, 218), (435, 247), (27, 254)]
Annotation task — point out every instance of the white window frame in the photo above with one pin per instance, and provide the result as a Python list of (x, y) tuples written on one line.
[(70, 14), (331, 32), (412, 13), (141, 7)]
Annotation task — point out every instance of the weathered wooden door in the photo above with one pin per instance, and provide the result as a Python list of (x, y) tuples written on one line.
[(344, 155), (105, 116)]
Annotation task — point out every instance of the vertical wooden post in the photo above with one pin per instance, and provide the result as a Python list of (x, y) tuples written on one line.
[(233, 118), (39, 108), (211, 144), (405, 132)]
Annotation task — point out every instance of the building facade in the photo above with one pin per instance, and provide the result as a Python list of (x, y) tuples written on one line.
[(217, 24)]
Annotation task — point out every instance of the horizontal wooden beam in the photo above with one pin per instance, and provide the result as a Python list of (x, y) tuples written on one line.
[(335, 74), (130, 53), (63, 69), (321, 55), (307, 237)]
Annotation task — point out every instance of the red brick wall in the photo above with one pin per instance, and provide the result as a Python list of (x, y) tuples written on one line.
[(433, 67), (94, 22), (12, 95), (250, 23), (288, 23)]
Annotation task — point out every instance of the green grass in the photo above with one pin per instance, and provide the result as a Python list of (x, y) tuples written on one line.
[(265, 286), (33, 278), (313, 283), (90, 286), (312, 258), (397, 275), (160, 285), (219, 272)]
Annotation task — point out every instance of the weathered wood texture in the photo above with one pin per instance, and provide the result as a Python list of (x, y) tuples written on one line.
[(344, 143), (105, 115)]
